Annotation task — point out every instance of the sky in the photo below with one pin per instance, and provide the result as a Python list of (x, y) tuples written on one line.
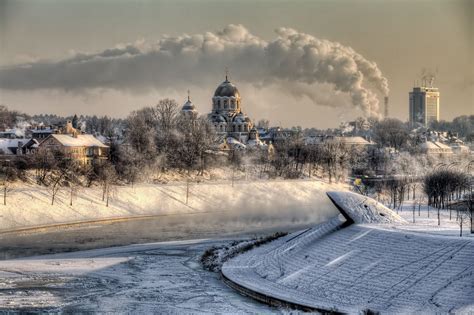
[(307, 63)]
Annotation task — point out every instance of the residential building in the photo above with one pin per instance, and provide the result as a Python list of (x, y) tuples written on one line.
[(86, 149)]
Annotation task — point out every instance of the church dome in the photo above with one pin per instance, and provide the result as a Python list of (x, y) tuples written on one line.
[(188, 106), (227, 89)]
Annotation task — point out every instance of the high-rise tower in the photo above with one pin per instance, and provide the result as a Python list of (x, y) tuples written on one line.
[(424, 105)]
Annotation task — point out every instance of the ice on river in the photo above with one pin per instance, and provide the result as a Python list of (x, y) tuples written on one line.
[(150, 278)]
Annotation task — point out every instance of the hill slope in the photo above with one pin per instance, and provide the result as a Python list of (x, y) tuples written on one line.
[(279, 201)]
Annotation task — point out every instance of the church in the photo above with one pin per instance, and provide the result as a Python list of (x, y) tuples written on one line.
[(227, 116)]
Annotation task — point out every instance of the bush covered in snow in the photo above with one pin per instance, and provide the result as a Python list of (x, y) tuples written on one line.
[(214, 257)]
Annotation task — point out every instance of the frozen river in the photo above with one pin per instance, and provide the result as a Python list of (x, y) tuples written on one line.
[(88, 268), (151, 278)]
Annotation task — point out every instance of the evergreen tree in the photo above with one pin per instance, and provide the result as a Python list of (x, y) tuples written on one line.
[(75, 121)]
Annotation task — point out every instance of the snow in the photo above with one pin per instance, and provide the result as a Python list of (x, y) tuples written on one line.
[(78, 141), (5, 144), (353, 140), (362, 209), (428, 222), (247, 203), (163, 278), (383, 267)]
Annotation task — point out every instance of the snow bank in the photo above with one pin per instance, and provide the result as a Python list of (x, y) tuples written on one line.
[(297, 201), (362, 209)]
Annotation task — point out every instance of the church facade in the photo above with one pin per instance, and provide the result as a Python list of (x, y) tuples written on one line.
[(227, 117)]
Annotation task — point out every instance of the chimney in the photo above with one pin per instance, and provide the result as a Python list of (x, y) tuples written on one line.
[(385, 101)]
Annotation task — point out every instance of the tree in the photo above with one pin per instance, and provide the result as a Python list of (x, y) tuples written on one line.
[(9, 118), (193, 138), (463, 217), (442, 184), (63, 169), (141, 133), (75, 122), (108, 178), (7, 173), (73, 179), (165, 114), (335, 158), (43, 161), (391, 132)]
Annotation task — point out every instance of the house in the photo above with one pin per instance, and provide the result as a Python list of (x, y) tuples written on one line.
[(354, 141), (42, 132), (435, 147), (17, 146), (86, 149), (8, 134)]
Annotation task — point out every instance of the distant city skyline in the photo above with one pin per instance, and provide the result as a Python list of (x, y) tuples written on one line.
[(305, 63)]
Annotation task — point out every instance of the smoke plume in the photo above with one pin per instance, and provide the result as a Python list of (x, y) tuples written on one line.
[(291, 59)]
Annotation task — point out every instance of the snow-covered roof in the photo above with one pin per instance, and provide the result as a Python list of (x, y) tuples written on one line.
[(5, 144), (78, 141), (435, 146), (235, 143), (101, 138), (46, 130), (353, 140)]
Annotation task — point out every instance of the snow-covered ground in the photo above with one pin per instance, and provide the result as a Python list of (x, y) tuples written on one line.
[(159, 278), (383, 267), (163, 278), (29, 205), (428, 222), (399, 267)]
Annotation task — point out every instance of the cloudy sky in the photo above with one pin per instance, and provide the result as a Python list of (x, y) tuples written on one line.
[(308, 63)]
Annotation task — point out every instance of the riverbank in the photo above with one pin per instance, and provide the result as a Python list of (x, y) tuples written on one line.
[(29, 205)]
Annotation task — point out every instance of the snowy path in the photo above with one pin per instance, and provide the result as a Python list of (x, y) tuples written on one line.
[(148, 278)]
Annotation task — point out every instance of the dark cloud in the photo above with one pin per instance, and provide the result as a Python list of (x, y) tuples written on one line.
[(291, 59)]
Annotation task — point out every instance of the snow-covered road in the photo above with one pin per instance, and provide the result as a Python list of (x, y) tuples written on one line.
[(149, 278)]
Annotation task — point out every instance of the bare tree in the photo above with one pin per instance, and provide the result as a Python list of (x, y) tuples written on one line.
[(59, 173), (107, 178), (73, 179), (441, 184), (7, 173), (463, 218), (391, 132), (43, 161), (193, 138), (141, 133)]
